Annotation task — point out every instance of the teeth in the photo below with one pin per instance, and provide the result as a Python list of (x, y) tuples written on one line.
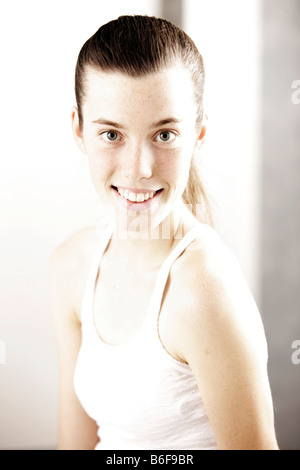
[(132, 197), (135, 197), (140, 197)]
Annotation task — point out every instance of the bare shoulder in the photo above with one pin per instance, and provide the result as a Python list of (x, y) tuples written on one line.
[(208, 260), (216, 295), (69, 264), (219, 333)]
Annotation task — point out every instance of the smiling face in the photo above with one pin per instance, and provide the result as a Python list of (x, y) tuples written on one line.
[(139, 135)]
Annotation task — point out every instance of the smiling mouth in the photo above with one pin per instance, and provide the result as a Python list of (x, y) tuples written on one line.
[(136, 197)]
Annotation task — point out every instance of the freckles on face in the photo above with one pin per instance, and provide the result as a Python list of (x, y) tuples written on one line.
[(174, 167), (139, 132), (101, 167)]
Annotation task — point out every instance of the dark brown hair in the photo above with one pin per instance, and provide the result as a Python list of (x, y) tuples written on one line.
[(139, 45)]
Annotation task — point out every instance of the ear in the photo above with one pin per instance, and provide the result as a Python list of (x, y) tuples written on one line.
[(202, 132), (76, 129)]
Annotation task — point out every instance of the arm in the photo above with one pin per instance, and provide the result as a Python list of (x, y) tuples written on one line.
[(76, 429), (222, 338)]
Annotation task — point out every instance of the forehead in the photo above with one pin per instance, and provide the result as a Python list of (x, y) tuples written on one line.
[(167, 92)]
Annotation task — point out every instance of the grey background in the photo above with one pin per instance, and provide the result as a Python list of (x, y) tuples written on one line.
[(280, 210)]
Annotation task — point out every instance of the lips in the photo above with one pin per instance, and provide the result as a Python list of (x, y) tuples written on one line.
[(136, 195), (136, 199)]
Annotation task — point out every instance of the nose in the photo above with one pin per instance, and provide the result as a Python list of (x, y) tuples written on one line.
[(138, 161)]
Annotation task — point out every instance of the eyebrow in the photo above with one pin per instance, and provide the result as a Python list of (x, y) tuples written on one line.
[(162, 122), (171, 120), (106, 122)]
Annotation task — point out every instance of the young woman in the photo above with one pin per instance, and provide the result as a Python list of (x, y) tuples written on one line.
[(161, 345)]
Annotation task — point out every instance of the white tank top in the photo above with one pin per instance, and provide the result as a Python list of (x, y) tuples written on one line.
[(139, 395)]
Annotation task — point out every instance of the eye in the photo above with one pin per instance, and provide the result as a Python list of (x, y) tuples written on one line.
[(110, 136), (165, 136)]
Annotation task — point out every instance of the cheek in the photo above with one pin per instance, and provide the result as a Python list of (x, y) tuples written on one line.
[(101, 167), (176, 169)]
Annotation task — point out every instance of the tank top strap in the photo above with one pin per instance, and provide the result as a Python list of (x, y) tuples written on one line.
[(88, 297), (163, 273), (156, 298)]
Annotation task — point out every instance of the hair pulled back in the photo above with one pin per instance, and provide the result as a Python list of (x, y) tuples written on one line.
[(139, 45)]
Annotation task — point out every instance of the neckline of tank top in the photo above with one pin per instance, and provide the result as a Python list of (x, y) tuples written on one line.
[(156, 296)]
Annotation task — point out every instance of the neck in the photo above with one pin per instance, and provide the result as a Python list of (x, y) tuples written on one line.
[(150, 247)]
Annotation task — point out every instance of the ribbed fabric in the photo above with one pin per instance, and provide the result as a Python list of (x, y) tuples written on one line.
[(139, 395)]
